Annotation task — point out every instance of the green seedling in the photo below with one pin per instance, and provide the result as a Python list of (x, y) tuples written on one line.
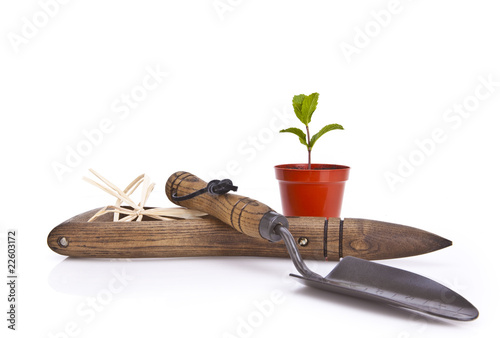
[(304, 107)]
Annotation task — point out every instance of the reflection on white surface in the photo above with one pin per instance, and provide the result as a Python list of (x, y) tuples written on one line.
[(153, 277), (194, 279)]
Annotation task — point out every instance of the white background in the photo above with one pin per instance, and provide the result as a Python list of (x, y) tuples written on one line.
[(231, 72)]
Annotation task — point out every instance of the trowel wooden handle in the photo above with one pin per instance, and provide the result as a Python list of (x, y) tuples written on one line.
[(244, 214)]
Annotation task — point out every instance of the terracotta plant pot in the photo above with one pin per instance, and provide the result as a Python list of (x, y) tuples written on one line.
[(312, 192)]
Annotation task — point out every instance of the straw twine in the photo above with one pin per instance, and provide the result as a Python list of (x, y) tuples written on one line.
[(137, 210)]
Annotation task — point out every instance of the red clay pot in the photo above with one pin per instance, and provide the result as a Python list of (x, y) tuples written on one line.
[(314, 192)]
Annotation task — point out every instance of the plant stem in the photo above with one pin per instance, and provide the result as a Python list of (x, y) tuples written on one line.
[(308, 148)]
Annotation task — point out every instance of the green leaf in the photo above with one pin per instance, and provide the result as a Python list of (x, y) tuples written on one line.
[(323, 131), (309, 106), (298, 132), (297, 106)]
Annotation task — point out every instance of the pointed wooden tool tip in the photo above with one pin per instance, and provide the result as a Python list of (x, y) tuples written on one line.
[(445, 243), (433, 242), (370, 239)]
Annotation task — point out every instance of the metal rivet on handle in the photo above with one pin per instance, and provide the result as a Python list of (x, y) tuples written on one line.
[(303, 241), (63, 242)]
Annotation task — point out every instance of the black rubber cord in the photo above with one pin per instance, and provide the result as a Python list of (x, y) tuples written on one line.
[(214, 187)]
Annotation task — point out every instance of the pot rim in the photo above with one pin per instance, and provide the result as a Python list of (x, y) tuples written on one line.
[(318, 166), (290, 172)]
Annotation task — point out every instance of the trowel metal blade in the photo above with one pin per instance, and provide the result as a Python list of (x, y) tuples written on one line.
[(368, 280)]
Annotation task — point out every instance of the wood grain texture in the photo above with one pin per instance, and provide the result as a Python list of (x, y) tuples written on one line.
[(208, 236), (241, 213), (383, 240)]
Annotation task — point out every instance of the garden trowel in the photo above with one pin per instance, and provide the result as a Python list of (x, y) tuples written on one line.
[(351, 276)]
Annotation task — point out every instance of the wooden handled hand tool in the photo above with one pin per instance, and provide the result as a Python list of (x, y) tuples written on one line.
[(352, 276), (318, 238)]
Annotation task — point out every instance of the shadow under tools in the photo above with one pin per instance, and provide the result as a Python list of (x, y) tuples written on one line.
[(374, 307)]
